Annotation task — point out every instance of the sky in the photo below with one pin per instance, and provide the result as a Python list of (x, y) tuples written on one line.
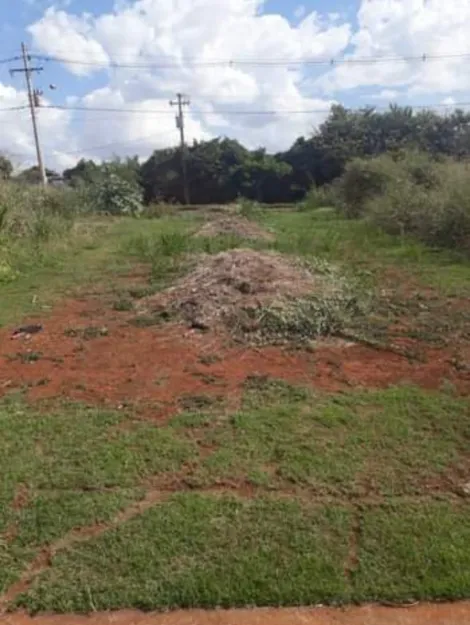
[(254, 70)]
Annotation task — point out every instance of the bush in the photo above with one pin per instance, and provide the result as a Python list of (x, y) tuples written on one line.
[(362, 180), (114, 195), (427, 199), (34, 213), (321, 197)]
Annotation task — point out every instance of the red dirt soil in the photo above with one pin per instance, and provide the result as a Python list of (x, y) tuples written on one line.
[(424, 614), (155, 367)]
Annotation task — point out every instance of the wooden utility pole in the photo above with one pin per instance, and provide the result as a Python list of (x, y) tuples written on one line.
[(180, 102), (33, 97)]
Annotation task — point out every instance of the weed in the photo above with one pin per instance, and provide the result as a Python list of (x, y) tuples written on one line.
[(209, 359), (29, 357), (123, 304), (147, 321), (139, 292), (197, 403), (89, 333)]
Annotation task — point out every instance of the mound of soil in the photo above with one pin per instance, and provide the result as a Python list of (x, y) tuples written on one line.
[(234, 226), (234, 288)]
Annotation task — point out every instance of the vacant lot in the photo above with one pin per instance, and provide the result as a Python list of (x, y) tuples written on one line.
[(295, 431)]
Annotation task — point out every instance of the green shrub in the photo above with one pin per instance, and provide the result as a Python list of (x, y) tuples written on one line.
[(320, 197), (427, 199), (248, 208), (116, 196), (34, 213), (362, 180)]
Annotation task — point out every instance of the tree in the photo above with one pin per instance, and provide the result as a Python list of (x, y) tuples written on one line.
[(222, 169), (84, 172), (32, 175)]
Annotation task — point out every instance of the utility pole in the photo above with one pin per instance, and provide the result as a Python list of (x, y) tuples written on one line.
[(180, 102), (33, 97)]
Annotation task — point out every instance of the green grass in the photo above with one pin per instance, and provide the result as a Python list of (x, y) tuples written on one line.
[(203, 551), (316, 462), (388, 443), (100, 251), (76, 447), (310, 457), (414, 551), (367, 250)]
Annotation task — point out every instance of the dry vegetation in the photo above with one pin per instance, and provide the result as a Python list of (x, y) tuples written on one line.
[(235, 226), (257, 296)]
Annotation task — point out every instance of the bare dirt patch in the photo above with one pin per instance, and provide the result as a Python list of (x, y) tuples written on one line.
[(424, 614), (235, 227), (154, 368)]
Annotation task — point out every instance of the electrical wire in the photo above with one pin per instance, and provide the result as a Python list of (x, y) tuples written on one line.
[(14, 108), (259, 62), (237, 112), (10, 60)]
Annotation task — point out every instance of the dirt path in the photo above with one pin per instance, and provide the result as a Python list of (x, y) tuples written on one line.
[(424, 614)]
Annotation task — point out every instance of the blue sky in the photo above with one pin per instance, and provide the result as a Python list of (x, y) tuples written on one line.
[(228, 29), (14, 26)]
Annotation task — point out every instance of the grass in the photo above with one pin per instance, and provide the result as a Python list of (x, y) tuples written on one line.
[(414, 552), (202, 551), (100, 252), (314, 461), (366, 250), (385, 443)]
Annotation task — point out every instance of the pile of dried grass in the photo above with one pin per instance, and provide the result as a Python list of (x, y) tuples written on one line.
[(257, 296), (234, 226)]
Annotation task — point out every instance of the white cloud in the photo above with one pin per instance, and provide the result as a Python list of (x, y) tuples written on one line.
[(392, 28), (16, 137), (76, 35), (386, 95), (449, 101), (300, 11)]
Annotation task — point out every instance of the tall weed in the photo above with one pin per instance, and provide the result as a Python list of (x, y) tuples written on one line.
[(411, 193)]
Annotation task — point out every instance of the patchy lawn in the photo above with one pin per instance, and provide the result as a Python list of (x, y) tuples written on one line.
[(148, 464)]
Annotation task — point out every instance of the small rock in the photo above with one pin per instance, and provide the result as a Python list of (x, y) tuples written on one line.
[(24, 331), (466, 489), (197, 324)]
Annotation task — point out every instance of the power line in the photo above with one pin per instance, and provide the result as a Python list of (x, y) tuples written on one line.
[(14, 108), (241, 112), (12, 59), (255, 62)]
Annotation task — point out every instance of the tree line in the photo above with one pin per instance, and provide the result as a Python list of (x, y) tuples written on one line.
[(221, 170)]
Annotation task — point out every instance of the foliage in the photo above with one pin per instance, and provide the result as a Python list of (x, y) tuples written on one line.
[(6, 168), (362, 180), (87, 172), (29, 219), (33, 213), (115, 195), (325, 197), (411, 193), (221, 170), (32, 175)]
